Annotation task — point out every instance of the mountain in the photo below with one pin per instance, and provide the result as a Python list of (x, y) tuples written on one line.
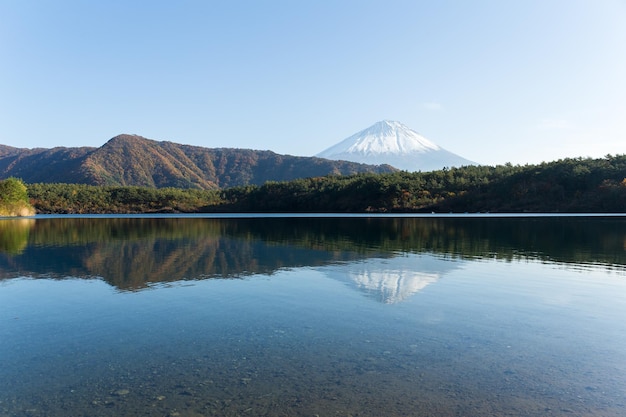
[(392, 143), (135, 160)]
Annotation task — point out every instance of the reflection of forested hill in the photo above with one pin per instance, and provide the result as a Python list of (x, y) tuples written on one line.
[(130, 253)]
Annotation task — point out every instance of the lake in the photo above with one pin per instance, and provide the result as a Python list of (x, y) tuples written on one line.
[(313, 316)]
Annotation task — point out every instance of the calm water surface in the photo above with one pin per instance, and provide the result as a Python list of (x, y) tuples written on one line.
[(313, 316)]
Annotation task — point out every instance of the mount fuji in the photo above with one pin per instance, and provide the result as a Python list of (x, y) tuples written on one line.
[(392, 143)]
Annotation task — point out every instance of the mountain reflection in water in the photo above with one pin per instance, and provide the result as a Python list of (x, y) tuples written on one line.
[(336, 316), (134, 253), (394, 280)]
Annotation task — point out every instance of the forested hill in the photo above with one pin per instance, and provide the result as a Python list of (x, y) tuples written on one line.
[(569, 185), (130, 160)]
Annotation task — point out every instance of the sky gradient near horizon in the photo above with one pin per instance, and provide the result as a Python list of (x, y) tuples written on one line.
[(493, 81)]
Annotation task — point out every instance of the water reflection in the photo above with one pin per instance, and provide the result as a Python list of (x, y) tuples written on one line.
[(394, 280), (133, 253), (14, 235), (481, 317)]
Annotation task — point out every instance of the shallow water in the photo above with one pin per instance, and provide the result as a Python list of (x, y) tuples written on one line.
[(305, 317)]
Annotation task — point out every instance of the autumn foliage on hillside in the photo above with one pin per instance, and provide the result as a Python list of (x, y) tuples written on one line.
[(130, 160)]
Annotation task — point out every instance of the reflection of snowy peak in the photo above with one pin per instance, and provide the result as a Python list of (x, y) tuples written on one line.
[(392, 286), (393, 143), (392, 280)]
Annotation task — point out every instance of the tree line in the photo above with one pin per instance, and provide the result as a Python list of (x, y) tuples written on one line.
[(567, 185)]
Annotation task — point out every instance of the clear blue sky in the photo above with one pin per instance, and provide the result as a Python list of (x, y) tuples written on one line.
[(494, 81)]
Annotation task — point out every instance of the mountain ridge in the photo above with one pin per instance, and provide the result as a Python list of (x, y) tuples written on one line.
[(133, 160)]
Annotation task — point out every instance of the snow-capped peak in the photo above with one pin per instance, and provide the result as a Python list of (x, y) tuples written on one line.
[(384, 137), (391, 142)]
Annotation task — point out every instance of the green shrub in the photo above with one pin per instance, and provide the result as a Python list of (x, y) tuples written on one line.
[(14, 198)]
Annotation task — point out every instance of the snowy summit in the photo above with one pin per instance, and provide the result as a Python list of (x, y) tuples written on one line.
[(390, 142)]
